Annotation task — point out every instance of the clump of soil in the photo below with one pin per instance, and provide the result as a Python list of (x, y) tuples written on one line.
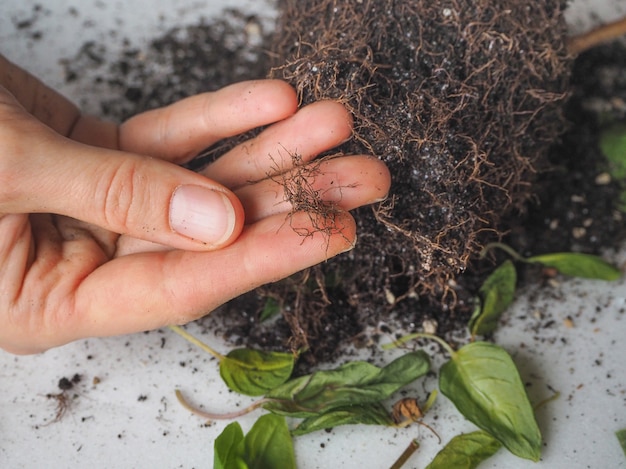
[(485, 140), (576, 207), (461, 100)]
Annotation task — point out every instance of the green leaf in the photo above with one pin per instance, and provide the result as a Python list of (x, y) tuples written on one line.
[(350, 384), (621, 437), (268, 444), (577, 264), (270, 309), (496, 293), (366, 414), (255, 372), (613, 146), (484, 384), (228, 448), (466, 451)]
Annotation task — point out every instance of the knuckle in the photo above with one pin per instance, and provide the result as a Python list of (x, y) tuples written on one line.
[(120, 196)]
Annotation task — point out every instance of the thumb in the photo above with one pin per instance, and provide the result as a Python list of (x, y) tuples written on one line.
[(122, 192)]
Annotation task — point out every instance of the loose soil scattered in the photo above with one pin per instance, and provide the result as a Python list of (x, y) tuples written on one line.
[(489, 129)]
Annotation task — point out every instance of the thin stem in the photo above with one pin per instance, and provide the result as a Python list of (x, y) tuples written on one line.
[(422, 335), (191, 339), (547, 400), (408, 422), (508, 249), (431, 429), (430, 401), (408, 452), (605, 33), (211, 416)]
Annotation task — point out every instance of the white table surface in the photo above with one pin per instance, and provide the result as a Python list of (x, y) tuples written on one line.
[(123, 413)]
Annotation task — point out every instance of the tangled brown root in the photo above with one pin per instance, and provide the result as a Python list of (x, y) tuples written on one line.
[(461, 98)]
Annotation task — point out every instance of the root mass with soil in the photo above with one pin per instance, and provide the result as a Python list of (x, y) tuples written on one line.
[(461, 99)]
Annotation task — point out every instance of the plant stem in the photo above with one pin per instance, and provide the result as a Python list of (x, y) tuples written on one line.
[(508, 249), (408, 422), (430, 401), (191, 339), (597, 36), (423, 335), (408, 452), (210, 416), (554, 397)]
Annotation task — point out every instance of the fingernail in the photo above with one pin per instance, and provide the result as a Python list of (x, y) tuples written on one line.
[(202, 214)]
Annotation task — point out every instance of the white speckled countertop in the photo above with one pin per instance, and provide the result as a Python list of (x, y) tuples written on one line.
[(123, 412)]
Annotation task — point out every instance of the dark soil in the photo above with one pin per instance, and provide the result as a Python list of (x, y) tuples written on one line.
[(578, 208), (462, 102), (488, 130)]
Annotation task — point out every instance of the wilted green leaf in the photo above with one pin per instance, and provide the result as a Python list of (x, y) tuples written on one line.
[(268, 444), (496, 294), (466, 451), (366, 414), (484, 384), (577, 264), (621, 437), (270, 309), (228, 448), (255, 372), (350, 384)]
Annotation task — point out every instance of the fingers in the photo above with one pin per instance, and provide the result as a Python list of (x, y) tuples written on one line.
[(346, 182), (175, 287), (312, 130), (121, 192), (180, 131)]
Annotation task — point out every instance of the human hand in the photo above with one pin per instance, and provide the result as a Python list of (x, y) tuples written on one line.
[(98, 239)]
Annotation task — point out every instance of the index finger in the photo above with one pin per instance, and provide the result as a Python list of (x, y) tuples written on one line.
[(180, 131)]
